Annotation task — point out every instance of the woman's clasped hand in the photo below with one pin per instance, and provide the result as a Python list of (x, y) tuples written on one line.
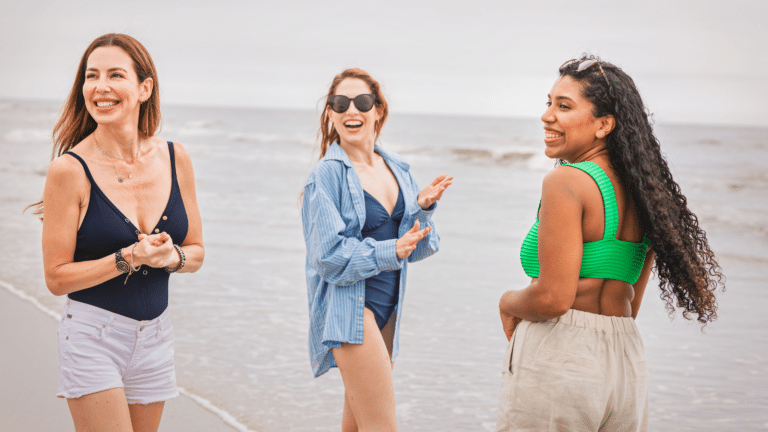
[(155, 250)]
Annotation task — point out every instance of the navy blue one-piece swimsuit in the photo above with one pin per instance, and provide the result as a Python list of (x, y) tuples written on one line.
[(382, 290), (104, 230)]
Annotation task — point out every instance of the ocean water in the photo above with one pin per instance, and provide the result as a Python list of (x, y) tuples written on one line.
[(241, 321)]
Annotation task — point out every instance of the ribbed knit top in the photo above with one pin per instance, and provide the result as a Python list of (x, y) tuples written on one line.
[(105, 229), (607, 258)]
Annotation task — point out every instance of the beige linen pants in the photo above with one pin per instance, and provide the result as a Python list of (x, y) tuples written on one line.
[(578, 372)]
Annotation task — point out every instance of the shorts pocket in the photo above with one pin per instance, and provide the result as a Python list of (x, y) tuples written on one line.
[(569, 348), (167, 334), (509, 354), (79, 330), (565, 359)]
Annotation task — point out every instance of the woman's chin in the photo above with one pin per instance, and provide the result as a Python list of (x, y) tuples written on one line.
[(551, 153)]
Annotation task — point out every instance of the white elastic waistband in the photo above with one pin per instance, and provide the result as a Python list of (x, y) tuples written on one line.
[(605, 324)]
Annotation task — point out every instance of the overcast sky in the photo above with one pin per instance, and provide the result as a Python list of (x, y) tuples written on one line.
[(698, 61)]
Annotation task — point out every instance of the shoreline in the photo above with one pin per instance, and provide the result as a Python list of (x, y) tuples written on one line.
[(29, 356)]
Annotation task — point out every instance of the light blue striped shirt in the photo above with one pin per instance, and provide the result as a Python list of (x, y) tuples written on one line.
[(339, 259)]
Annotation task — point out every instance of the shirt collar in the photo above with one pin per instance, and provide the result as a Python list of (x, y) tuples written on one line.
[(335, 152)]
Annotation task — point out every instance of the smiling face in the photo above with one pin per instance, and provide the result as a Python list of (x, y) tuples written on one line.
[(354, 127), (112, 91), (571, 129)]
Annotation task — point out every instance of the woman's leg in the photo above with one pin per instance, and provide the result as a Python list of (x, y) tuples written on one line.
[(102, 411), (146, 418), (367, 374)]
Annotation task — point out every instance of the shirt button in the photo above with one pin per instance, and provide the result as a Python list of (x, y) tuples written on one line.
[(137, 232), (127, 221), (141, 328), (157, 230), (144, 272), (165, 217), (360, 298), (103, 326)]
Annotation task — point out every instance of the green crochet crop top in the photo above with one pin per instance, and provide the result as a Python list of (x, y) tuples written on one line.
[(608, 258)]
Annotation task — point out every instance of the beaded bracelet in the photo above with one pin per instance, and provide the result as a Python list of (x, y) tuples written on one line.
[(181, 262)]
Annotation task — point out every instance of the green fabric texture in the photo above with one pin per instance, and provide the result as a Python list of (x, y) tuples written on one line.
[(608, 258)]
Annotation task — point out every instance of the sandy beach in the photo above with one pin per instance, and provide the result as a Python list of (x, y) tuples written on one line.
[(28, 399)]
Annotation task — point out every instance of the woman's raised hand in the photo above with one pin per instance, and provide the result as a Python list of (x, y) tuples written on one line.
[(430, 194), (155, 250), (407, 243)]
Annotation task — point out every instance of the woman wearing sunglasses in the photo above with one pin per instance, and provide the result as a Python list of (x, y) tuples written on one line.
[(120, 217), (608, 213), (364, 220)]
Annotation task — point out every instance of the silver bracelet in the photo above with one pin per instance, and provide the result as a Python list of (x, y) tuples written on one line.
[(131, 269), (135, 269)]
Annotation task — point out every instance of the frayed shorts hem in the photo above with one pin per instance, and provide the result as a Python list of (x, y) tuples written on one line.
[(72, 394), (164, 399)]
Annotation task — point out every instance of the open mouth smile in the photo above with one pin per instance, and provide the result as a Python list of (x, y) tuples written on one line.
[(353, 124), (551, 136)]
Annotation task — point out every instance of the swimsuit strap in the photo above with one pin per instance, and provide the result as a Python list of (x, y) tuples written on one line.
[(85, 167)]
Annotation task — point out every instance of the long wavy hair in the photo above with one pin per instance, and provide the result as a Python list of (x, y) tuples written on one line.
[(687, 269), (327, 133), (75, 122)]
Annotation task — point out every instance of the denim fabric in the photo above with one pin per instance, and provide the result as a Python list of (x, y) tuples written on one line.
[(101, 350), (339, 259)]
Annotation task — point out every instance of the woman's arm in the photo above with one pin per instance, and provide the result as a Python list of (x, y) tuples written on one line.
[(639, 286), (194, 252), (560, 251), (65, 187), (427, 201), (339, 259)]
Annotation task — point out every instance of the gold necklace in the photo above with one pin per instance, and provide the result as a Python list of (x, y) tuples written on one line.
[(110, 157)]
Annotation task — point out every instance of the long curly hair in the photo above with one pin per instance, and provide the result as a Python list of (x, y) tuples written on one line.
[(327, 133), (687, 268)]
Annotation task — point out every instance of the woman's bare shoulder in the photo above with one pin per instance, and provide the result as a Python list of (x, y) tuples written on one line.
[(565, 179), (65, 168)]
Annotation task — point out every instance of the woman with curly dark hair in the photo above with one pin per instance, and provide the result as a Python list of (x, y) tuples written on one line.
[(608, 213)]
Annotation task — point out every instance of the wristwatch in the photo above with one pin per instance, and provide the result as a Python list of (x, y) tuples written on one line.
[(120, 262)]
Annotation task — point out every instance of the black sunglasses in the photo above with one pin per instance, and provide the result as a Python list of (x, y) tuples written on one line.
[(586, 64), (363, 102)]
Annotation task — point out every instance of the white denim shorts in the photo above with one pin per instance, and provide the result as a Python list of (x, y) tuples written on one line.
[(578, 372), (101, 350)]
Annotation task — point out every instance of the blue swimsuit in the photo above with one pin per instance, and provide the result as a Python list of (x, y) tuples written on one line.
[(105, 230), (382, 290)]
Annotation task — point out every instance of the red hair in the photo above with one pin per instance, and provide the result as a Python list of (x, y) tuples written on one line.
[(327, 133)]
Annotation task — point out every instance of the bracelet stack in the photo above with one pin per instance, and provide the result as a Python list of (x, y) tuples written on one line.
[(181, 261)]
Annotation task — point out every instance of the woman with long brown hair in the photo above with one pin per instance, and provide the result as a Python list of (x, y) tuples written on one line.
[(608, 214), (120, 215), (364, 220)]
